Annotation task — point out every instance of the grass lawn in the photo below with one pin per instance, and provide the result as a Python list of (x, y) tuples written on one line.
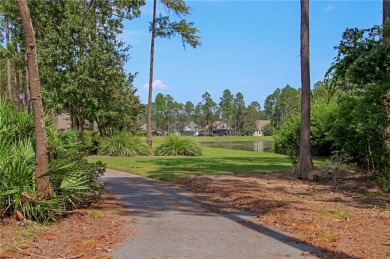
[(213, 161)]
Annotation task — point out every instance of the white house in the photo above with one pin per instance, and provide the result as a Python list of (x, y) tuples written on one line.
[(260, 124)]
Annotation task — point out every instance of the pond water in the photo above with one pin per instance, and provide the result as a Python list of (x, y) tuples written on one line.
[(259, 146)]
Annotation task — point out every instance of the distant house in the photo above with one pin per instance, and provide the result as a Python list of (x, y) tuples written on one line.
[(260, 124), (217, 128), (191, 129), (155, 132), (63, 121), (216, 125), (143, 128)]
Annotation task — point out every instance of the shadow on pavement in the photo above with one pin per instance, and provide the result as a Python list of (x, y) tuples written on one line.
[(150, 198)]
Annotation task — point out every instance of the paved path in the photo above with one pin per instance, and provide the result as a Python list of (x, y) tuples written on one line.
[(172, 223)]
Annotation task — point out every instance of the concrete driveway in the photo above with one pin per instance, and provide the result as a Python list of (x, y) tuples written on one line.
[(172, 223)]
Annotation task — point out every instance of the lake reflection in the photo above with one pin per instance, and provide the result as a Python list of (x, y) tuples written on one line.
[(259, 146)]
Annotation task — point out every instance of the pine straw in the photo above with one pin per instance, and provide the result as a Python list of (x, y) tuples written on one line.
[(84, 233), (348, 219)]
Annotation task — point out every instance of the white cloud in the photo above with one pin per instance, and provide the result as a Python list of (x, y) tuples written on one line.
[(329, 8), (157, 84), (132, 33), (134, 37)]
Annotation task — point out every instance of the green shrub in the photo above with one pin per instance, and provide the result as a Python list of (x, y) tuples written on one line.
[(178, 146), (123, 144), (63, 144), (268, 130), (72, 179), (286, 140), (322, 117), (91, 142), (15, 124), (75, 182), (358, 128), (383, 179)]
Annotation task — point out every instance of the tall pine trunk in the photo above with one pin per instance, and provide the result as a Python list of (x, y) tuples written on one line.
[(26, 78), (149, 111), (24, 91), (1, 85), (304, 167), (42, 156), (8, 63), (386, 40), (16, 82), (386, 17)]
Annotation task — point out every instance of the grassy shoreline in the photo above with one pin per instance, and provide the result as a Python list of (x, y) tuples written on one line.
[(213, 161), (158, 139)]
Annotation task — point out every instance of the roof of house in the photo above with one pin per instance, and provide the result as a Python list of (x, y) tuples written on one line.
[(191, 126), (63, 121), (216, 125), (143, 127), (260, 124)]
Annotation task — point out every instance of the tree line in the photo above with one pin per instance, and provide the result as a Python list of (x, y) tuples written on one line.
[(171, 116)]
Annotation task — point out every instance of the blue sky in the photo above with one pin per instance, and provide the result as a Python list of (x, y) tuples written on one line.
[(250, 47)]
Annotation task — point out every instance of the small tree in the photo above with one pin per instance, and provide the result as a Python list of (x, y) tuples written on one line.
[(42, 154)]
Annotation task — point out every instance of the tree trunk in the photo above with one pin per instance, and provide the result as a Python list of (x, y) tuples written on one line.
[(1, 85), (9, 80), (42, 154), (386, 40), (26, 79), (54, 117), (386, 17), (80, 128), (73, 122), (304, 167), (24, 90), (149, 111), (17, 83)]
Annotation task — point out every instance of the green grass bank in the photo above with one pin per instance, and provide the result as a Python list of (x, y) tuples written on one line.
[(213, 161)]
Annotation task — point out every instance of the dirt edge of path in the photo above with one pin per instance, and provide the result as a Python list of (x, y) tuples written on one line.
[(346, 217), (84, 233)]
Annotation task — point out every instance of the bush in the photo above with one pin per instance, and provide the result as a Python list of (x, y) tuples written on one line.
[(75, 182), (383, 179), (72, 179), (286, 140), (322, 117), (178, 146), (123, 144), (72, 182), (91, 142), (358, 128), (63, 144), (15, 124), (268, 130)]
